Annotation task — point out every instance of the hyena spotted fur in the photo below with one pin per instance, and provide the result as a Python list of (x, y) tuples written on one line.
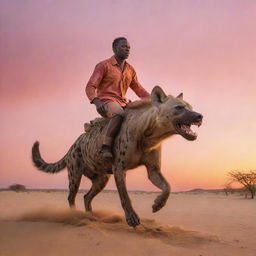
[(146, 124)]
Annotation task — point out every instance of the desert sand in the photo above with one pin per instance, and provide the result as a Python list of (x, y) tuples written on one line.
[(206, 224)]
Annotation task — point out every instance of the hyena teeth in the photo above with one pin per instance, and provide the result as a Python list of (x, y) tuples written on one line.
[(198, 124)]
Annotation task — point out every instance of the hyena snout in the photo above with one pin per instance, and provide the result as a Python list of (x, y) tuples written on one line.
[(198, 116)]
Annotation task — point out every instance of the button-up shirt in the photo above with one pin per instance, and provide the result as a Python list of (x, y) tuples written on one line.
[(109, 83)]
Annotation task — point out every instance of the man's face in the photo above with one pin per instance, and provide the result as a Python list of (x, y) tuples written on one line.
[(122, 50)]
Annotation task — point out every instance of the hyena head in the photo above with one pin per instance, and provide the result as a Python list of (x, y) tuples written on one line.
[(175, 115)]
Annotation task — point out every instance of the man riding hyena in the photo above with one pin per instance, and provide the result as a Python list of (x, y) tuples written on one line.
[(130, 135), (107, 88)]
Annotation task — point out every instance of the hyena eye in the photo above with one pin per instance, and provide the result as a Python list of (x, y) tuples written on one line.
[(179, 107)]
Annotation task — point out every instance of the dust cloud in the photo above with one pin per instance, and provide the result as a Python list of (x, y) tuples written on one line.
[(115, 222)]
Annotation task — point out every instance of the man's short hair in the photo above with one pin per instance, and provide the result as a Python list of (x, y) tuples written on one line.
[(116, 41)]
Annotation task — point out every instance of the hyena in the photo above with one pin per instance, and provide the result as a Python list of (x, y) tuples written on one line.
[(146, 124)]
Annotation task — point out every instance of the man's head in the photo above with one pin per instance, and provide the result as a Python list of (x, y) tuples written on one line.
[(121, 48)]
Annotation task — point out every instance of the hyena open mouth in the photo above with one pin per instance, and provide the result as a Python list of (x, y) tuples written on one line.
[(184, 129)]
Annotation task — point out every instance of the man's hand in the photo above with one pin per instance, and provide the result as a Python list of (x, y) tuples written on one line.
[(100, 106)]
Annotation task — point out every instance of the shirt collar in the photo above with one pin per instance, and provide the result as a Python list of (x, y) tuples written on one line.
[(114, 62)]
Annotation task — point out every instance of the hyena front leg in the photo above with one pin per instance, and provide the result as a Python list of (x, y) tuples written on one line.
[(153, 165), (131, 216), (159, 181)]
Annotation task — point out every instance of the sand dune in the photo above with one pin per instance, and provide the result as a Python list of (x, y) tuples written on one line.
[(203, 224)]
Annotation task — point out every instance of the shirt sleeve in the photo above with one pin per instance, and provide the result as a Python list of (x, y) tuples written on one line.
[(94, 81), (137, 87)]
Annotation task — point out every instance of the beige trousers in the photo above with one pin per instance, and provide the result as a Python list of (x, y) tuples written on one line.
[(115, 112), (113, 109)]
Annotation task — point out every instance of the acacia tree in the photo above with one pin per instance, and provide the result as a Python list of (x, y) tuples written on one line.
[(227, 188), (248, 180)]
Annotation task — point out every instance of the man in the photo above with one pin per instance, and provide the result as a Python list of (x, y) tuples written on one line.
[(107, 88)]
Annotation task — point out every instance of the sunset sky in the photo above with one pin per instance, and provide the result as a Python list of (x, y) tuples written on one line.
[(203, 48)]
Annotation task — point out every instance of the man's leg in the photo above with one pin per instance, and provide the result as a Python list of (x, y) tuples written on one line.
[(115, 112)]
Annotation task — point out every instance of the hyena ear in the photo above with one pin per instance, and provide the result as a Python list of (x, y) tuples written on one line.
[(157, 95), (180, 96)]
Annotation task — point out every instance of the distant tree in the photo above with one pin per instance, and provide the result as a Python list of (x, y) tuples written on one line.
[(17, 187), (228, 188), (248, 180)]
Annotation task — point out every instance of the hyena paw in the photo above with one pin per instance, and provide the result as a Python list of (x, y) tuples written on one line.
[(158, 204), (132, 219)]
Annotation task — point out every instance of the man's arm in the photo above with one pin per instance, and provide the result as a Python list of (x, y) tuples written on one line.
[(137, 87), (95, 81)]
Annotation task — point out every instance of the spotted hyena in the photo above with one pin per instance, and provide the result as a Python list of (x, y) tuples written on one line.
[(146, 124)]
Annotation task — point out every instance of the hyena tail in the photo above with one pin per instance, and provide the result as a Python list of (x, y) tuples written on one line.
[(42, 165)]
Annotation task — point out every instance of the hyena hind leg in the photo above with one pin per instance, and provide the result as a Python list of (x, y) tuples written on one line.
[(74, 176), (98, 184)]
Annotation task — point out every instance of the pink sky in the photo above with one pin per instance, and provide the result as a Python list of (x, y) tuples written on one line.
[(205, 49)]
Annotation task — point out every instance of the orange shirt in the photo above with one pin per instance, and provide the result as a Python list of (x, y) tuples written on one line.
[(109, 83)]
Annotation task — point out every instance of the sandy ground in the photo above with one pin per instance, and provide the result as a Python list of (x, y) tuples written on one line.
[(40, 223)]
